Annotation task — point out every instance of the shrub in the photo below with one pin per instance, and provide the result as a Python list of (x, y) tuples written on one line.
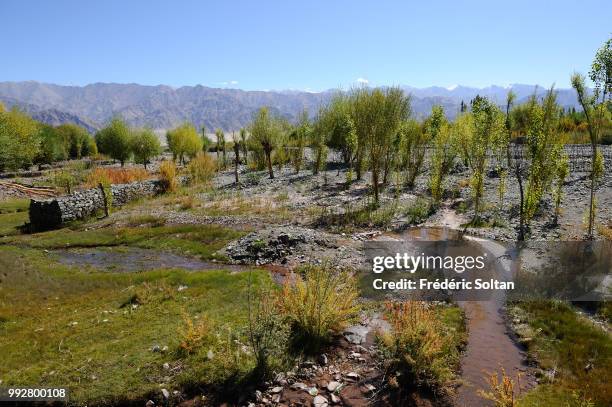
[(419, 211), (416, 345), (202, 168), (193, 335), (268, 332), (65, 180), (320, 304), (167, 176)]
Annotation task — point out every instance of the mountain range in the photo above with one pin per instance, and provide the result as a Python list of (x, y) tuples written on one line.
[(162, 107)]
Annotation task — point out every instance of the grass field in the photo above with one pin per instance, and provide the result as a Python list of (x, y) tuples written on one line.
[(94, 332), (579, 352)]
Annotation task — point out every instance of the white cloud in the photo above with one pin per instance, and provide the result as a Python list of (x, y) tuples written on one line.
[(226, 83), (363, 81), (233, 82), (452, 87)]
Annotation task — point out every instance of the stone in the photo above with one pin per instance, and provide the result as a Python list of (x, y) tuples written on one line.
[(352, 376), (335, 399), (313, 391), (150, 403), (166, 366), (333, 386), (165, 393), (320, 401), (276, 389), (323, 359), (369, 388), (298, 386)]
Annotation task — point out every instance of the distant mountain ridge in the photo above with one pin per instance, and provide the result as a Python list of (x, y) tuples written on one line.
[(163, 107)]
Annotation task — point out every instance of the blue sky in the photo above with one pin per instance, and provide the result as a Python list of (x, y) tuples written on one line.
[(307, 44)]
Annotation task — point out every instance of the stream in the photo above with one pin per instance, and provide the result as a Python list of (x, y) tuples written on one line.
[(490, 346)]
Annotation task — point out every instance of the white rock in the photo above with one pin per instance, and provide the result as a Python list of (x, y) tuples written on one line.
[(335, 399), (298, 386), (333, 386), (165, 393), (276, 389), (320, 401)]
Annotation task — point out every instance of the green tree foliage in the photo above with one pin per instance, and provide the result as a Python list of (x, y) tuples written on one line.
[(483, 132), (596, 108), (184, 141), (298, 138), (145, 145), (19, 139), (265, 135), (544, 149), (378, 115), (220, 146), (438, 130), (115, 140), (51, 146), (244, 144), (76, 139), (413, 146), (206, 142)]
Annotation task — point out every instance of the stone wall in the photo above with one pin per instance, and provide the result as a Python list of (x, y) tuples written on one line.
[(51, 213)]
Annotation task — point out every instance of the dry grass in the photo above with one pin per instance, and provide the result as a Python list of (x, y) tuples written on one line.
[(167, 176), (115, 176), (202, 168), (419, 346), (237, 204), (502, 389), (320, 304), (193, 335)]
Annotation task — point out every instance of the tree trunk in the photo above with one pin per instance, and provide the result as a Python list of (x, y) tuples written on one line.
[(592, 200), (375, 184), (269, 157), (521, 232)]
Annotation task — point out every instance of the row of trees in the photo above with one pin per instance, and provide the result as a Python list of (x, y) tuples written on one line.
[(25, 141), (120, 142)]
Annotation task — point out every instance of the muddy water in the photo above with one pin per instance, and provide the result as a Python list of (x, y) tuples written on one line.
[(134, 259), (489, 346)]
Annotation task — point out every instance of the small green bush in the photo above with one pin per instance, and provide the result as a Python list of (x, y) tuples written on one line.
[(320, 304), (416, 345)]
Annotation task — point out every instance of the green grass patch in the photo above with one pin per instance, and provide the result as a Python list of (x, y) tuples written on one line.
[(13, 214), (93, 332), (579, 351)]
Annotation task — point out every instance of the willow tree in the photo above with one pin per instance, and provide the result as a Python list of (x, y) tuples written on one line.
[(544, 149), (221, 145), (413, 145), (184, 141), (244, 144), (298, 139), (438, 130), (265, 133), (596, 107), (378, 115), (485, 131)]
